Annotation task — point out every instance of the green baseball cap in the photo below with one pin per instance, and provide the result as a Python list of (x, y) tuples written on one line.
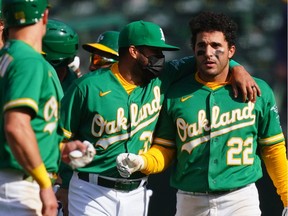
[(23, 12), (106, 42), (141, 33)]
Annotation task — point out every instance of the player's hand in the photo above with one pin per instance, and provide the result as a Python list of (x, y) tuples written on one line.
[(81, 153), (285, 211), (81, 159), (49, 202), (242, 80), (62, 196), (128, 163)]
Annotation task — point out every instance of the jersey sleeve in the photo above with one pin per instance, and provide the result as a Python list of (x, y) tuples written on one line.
[(20, 86), (272, 142), (71, 110), (163, 149), (269, 131), (165, 132)]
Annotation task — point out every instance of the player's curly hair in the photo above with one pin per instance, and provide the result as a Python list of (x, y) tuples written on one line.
[(210, 21)]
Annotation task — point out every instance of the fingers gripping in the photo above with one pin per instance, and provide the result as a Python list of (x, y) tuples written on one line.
[(128, 163)]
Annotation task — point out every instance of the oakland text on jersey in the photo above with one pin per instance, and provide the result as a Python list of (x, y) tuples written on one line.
[(139, 118), (243, 118), (50, 111)]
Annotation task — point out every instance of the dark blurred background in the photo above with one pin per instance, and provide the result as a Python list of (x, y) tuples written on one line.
[(261, 49)]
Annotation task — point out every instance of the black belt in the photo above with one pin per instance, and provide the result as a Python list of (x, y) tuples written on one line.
[(215, 193), (117, 184)]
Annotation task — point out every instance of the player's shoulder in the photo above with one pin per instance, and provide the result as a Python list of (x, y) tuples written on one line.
[(263, 85), (267, 93), (21, 57), (20, 50), (97, 77), (185, 62)]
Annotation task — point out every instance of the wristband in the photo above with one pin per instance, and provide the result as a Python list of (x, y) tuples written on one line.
[(41, 176)]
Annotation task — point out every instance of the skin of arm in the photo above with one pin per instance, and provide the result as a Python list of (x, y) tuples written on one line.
[(275, 160), (23, 144)]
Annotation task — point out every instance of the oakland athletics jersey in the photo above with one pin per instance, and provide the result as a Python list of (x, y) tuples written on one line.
[(98, 109), (216, 136), (28, 80)]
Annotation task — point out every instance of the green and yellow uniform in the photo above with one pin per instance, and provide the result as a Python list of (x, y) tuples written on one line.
[(97, 108), (218, 140), (36, 88)]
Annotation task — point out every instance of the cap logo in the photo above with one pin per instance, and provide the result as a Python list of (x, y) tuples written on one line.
[(162, 34), (19, 15), (100, 38)]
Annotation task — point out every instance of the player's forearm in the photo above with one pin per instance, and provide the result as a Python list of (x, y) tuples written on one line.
[(157, 159), (275, 161), (23, 144)]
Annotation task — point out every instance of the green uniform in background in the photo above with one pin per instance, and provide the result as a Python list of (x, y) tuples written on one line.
[(68, 80), (36, 88)]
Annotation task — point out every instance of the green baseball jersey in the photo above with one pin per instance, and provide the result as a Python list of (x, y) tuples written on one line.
[(98, 109), (28, 80), (216, 136)]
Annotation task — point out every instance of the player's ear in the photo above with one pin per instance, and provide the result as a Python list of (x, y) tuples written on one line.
[(133, 51), (45, 17), (231, 51)]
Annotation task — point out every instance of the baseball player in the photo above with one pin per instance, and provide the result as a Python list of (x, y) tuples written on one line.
[(30, 132), (104, 52), (215, 141), (116, 109), (60, 46)]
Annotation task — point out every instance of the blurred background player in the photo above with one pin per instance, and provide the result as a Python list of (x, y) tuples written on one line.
[(104, 52), (60, 46)]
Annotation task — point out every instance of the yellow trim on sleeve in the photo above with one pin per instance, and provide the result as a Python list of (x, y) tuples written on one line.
[(271, 140), (157, 159), (164, 142), (274, 157), (20, 103), (41, 176), (67, 133)]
